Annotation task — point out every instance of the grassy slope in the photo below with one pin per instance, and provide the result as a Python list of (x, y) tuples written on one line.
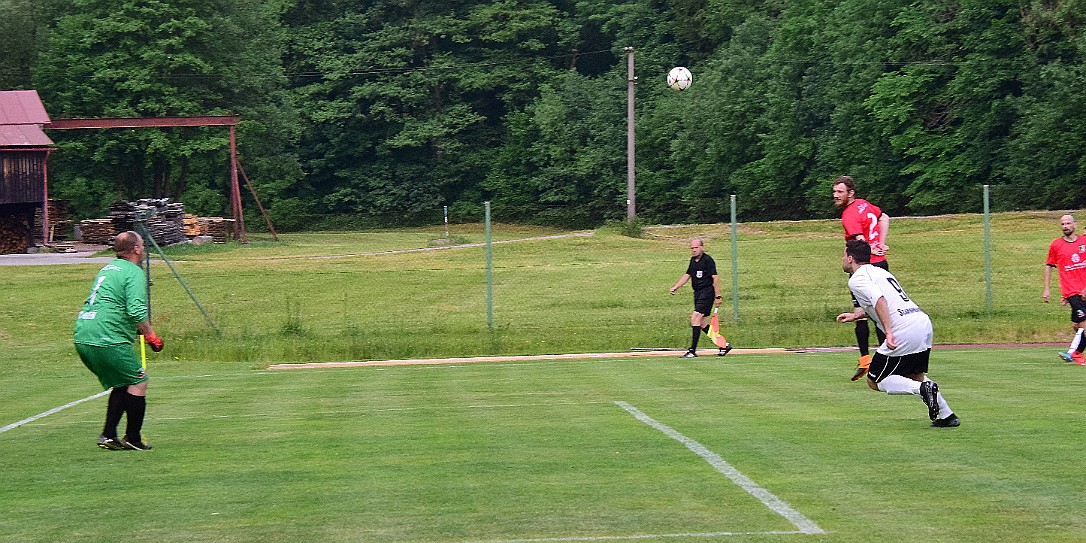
[(318, 297)]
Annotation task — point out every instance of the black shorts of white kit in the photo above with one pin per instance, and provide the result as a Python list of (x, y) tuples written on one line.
[(704, 303), (1078, 308), (885, 264), (910, 364)]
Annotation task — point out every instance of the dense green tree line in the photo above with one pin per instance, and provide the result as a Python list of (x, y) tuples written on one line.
[(383, 111)]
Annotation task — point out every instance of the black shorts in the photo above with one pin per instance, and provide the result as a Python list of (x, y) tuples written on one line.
[(910, 364), (704, 304), (1078, 308)]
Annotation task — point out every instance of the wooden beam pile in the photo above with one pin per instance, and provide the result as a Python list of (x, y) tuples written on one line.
[(59, 225), (220, 229), (163, 219), (100, 231)]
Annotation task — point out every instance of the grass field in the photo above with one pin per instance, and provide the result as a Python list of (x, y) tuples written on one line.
[(533, 451), (549, 449)]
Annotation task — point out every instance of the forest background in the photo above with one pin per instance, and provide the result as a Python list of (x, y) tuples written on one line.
[(380, 112)]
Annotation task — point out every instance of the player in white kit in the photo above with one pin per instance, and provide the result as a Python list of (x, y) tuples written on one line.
[(900, 364)]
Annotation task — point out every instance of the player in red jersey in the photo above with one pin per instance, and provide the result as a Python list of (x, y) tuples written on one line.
[(1068, 255), (864, 221)]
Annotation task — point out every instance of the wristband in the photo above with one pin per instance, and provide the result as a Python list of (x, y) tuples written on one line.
[(718, 297)]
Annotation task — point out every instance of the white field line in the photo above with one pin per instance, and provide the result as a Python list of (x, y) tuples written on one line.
[(51, 411), (636, 536), (777, 505)]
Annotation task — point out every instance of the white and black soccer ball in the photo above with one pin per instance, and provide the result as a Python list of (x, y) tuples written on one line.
[(679, 78)]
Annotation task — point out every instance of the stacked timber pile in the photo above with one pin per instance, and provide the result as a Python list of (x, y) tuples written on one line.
[(220, 229), (14, 233), (195, 226), (99, 231), (162, 219), (60, 226)]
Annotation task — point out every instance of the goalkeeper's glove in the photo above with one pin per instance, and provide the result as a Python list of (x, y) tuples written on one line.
[(155, 342), (861, 368)]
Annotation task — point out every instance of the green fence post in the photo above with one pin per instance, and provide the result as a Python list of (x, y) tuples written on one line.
[(987, 253), (489, 272), (735, 267)]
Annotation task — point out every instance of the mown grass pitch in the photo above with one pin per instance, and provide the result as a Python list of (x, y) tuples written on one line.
[(539, 450)]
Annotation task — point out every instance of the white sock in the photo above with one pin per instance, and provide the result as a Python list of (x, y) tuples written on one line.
[(1075, 341), (899, 384), (944, 409)]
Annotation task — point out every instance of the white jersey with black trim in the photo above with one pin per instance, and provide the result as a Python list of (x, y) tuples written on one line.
[(912, 327)]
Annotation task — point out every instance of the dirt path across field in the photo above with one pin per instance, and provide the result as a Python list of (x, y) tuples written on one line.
[(702, 353)]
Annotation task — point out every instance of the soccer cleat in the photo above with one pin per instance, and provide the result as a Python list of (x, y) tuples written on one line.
[(1078, 358), (109, 444), (135, 444), (1067, 357), (861, 368), (689, 354), (929, 392), (949, 421), (727, 348)]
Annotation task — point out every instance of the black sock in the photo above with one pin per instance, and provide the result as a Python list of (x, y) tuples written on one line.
[(880, 335), (136, 407), (705, 329), (862, 333), (694, 339), (114, 410)]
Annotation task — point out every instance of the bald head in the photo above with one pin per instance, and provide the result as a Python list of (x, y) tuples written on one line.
[(129, 246), (1067, 225)]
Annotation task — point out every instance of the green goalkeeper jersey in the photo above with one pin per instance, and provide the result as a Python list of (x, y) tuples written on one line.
[(117, 303)]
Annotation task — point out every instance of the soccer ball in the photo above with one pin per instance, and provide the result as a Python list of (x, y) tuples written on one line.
[(679, 78)]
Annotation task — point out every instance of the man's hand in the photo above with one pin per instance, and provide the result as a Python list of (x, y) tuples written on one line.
[(155, 342), (846, 317)]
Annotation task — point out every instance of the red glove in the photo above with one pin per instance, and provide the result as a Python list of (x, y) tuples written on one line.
[(155, 342)]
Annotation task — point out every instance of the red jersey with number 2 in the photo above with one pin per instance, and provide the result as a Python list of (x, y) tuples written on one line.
[(1069, 258), (861, 218)]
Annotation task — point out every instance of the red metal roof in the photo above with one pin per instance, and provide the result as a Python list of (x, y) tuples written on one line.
[(22, 107), (23, 135)]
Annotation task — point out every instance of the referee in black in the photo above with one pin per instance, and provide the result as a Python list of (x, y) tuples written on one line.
[(703, 277)]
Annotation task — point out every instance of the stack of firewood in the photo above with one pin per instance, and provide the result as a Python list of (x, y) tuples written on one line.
[(14, 234)]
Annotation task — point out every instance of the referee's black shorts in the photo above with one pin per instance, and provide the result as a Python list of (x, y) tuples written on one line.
[(910, 364), (703, 303)]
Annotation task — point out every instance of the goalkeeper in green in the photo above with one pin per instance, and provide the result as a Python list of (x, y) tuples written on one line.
[(105, 332)]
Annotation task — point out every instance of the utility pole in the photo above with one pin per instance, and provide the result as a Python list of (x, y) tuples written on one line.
[(631, 202)]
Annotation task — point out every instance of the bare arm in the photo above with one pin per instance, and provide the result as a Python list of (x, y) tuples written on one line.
[(716, 290), (1048, 278), (884, 232), (682, 281), (883, 312)]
